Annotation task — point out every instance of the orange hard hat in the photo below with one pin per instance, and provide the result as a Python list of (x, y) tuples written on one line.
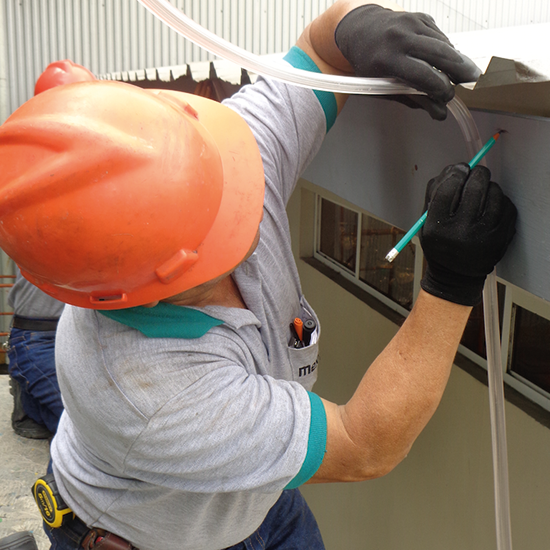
[(112, 196), (62, 72)]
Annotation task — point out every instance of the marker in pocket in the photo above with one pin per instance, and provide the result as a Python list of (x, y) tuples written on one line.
[(308, 329), (298, 327), (295, 342)]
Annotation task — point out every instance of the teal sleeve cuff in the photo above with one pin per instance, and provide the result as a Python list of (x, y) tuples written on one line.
[(300, 60), (317, 442)]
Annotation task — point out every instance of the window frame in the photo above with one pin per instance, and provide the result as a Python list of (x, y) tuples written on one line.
[(519, 297)]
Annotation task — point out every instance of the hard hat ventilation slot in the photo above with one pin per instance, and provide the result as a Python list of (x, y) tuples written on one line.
[(114, 298)]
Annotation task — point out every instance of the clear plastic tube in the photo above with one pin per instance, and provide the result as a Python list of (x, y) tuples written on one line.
[(498, 421), (185, 26), (494, 361)]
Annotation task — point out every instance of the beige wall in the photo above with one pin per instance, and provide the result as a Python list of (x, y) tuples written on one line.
[(441, 495)]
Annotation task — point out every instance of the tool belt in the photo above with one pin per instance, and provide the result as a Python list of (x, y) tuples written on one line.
[(96, 539), (26, 323), (57, 515)]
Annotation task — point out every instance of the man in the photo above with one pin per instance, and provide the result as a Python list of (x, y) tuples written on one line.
[(186, 416), (37, 399), (37, 404)]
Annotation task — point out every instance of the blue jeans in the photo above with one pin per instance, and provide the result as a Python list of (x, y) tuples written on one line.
[(289, 525), (32, 365)]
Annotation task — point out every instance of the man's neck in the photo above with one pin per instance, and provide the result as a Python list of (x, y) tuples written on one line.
[(224, 292)]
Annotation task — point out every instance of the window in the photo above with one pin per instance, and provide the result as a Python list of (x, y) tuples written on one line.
[(354, 244), (529, 357), (526, 344), (474, 333), (338, 234), (395, 280)]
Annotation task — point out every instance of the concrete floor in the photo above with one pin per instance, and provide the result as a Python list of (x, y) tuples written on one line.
[(21, 462)]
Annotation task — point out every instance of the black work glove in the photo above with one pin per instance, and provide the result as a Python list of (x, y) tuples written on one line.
[(379, 42), (469, 226)]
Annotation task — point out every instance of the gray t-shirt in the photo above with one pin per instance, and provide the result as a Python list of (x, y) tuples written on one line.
[(29, 301), (185, 444)]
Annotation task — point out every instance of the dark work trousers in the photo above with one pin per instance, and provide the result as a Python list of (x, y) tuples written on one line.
[(32, 364)]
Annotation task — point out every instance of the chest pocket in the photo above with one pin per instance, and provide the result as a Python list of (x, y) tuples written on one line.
[(304, 360)]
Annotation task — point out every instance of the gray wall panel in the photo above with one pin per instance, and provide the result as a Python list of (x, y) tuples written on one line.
[(380, 155)]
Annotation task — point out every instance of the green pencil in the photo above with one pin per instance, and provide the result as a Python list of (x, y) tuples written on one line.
[(392, 254)]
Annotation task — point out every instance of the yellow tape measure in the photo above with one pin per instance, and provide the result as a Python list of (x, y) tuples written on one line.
[(52, 507)]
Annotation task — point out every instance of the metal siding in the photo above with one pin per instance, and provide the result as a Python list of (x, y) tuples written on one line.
[(469, 15), (118, 35)]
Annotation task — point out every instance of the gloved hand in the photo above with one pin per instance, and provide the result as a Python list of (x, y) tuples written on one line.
[(469, 226), (379, 42)]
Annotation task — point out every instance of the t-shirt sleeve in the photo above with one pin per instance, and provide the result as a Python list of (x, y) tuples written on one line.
[(289, 123), (230, 431), (317, 443), (300, 60)]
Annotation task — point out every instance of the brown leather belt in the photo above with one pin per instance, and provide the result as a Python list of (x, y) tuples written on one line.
[(97, 539), (94, 538)]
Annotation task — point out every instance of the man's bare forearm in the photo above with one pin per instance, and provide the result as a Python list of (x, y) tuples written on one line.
[(397, 396)]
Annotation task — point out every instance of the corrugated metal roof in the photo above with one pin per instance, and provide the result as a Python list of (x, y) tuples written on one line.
[(213, 79)]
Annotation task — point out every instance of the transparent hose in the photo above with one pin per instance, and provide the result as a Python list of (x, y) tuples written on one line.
[(185, 26), (494, 360)]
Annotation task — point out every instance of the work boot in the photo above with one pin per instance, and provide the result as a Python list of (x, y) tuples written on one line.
[(19, 541), (22, 424)]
